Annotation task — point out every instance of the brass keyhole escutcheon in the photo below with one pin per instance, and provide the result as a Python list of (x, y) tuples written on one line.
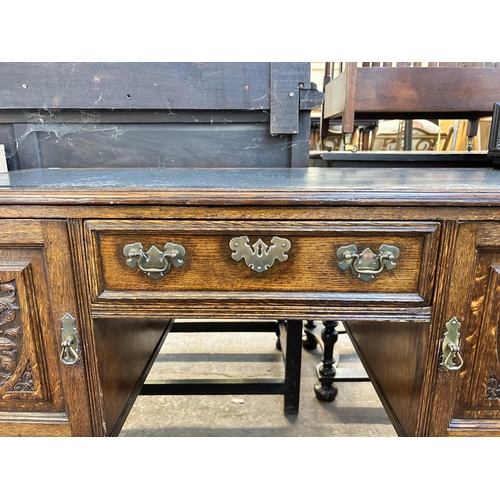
[(259, 257)]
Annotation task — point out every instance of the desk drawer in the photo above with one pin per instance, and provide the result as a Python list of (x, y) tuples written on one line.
[(265, 257)]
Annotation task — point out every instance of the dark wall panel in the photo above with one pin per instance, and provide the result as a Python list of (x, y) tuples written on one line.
[(150, 145), (138, 85)]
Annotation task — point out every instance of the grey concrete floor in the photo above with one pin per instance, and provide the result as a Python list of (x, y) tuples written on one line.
[(356, 411)]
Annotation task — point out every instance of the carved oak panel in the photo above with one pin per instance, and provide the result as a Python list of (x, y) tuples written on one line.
[(22, 374), (485, 391), (476, 289), (39, 394)]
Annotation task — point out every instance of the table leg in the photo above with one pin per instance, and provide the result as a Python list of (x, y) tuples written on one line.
[(309, 342), (325, 390), (293, 359)]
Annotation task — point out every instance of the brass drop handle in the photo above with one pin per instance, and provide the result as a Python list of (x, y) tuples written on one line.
[(366, 264), (450, 349), (69, 355), (144, 258), (380, 258), (154, 263)]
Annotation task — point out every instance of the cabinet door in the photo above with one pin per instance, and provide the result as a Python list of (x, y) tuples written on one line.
[(39, 394), (474, 300)]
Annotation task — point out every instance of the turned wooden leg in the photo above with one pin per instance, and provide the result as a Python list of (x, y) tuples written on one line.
[(325, 390), (309, 342)]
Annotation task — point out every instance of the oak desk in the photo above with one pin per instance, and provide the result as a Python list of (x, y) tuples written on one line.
[(93, 263)]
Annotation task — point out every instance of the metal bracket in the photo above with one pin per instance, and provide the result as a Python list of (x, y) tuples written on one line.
[(347, 144), (284, 102)]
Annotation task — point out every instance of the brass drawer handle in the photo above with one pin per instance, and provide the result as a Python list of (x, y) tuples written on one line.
[(259, 256), (69, 344), (154, 262), (450, 349), (366, 265)]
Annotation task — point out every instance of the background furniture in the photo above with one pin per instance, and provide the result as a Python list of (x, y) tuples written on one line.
[(407, 91), (494, 141), (426, 136)]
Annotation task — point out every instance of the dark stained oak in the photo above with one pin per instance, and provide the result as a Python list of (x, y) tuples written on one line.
[(62, 234), (393, 354), (35, 261), (308, 267), (126, 350)]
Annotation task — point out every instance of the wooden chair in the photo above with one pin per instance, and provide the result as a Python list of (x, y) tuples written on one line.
[(409, 90)]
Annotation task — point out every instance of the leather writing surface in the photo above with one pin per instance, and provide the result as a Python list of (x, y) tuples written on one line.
[(406, 181)]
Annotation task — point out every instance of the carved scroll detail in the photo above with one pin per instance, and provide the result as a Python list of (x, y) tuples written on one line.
[(25, 382), (493, 388), (10, 332), (498, 342)]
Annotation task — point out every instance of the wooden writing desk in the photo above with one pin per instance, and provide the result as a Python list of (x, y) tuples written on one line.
[(93, 263)]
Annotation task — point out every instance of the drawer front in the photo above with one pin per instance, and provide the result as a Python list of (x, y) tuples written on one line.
[(214, 257)]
